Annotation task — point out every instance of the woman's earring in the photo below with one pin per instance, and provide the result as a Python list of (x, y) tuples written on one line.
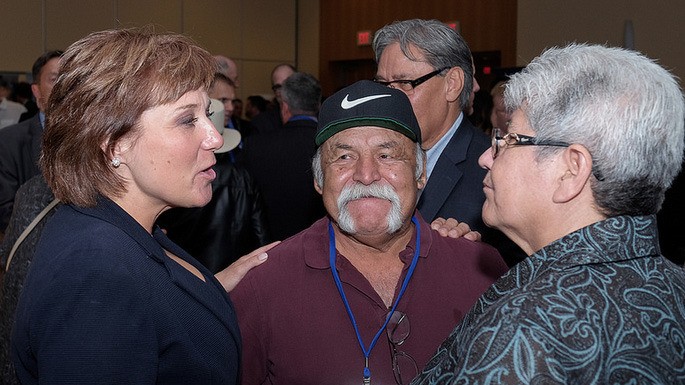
[(116, 162)]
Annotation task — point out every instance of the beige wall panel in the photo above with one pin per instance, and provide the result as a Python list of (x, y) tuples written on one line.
[(547, 23), (658, 27), (165, 15), (268, 30), (255, 78), (659, 32), (257, 34), (308, 37), (215, 25), (21, 37), (69, 20)]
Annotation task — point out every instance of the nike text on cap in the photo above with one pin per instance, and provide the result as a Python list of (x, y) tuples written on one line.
[(366, 103)]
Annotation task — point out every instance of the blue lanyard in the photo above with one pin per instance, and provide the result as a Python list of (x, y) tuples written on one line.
[(338, 283)]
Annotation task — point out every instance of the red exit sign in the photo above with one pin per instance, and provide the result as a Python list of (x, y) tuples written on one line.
[(363, 38)]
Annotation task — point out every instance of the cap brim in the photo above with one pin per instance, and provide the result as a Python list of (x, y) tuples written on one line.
[(335, 127)]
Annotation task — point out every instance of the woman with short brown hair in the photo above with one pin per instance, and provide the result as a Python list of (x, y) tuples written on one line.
[(109, 298)]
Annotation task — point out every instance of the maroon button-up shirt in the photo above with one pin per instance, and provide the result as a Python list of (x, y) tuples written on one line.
[(295, 328)]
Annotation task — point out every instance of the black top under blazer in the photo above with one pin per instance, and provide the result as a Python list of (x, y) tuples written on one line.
[(103, 304)]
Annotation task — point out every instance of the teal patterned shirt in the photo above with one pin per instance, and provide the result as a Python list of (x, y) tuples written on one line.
[(598, 306)]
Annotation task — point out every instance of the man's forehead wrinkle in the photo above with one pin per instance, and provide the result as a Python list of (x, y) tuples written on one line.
[(389, 144), (344, 145)]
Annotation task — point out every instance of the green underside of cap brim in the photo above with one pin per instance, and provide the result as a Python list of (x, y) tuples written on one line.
[(335, 127)]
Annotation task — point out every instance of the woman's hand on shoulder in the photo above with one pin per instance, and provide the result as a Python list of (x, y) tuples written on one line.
[(452, 228), (231, 276)]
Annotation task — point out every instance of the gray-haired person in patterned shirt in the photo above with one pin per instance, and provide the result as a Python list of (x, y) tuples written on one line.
[(595, 140)]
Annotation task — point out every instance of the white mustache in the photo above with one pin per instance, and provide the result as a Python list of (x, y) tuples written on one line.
[(359, 191)]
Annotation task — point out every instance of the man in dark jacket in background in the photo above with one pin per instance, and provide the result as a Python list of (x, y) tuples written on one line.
[(280, 161)]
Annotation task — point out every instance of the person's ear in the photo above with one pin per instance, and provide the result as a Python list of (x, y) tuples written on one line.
[(575, 172), (421, 182), (35, 89), (454, 83), (116, 150), (285, 111), (107, 148)]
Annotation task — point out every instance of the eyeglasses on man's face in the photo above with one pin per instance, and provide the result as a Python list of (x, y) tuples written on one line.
[(276, 87), (409, 85), (404, 367), (514, 139)]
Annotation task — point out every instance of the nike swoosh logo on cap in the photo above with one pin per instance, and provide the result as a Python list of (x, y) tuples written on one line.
[(347, 104)]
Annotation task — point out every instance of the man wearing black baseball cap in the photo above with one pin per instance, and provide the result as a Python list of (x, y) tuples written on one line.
[(361, 294)]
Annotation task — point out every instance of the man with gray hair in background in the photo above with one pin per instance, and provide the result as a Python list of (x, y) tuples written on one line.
[(432, 64), (595, 140)]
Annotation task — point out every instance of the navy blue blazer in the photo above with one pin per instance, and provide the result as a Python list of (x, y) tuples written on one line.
[(103, 304), (455, 187)]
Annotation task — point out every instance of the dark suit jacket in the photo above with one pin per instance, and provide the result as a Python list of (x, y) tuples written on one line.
[(281, 164), (103, 303), (455, 188), (20, 146), (267, 121)]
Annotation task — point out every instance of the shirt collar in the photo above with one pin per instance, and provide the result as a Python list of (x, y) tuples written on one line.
[(611, 240), (434, 152)]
